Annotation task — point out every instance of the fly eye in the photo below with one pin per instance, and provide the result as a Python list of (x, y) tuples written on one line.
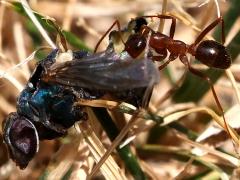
[(21, 138)]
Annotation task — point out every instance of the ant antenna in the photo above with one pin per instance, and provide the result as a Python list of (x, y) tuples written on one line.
[(209, 28), (117, 23)]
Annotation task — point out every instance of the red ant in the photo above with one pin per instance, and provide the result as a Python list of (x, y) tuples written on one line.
[(209, 52)]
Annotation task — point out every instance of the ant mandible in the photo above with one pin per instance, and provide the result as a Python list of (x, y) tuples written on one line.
[(208, 52)]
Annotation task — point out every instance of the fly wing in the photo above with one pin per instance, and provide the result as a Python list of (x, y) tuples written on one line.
[(105, 71)]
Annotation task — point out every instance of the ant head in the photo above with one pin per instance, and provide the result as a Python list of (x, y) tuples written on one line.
[(21, 138), (213, 54), (135, 45), (137, 23)]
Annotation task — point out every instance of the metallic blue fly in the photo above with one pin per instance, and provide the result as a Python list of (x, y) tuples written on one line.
[(46, 107)]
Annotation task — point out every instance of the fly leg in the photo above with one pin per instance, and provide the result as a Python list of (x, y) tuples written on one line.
[(42, 117)]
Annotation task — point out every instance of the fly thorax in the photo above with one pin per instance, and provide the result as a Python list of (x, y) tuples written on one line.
[(64, 57)]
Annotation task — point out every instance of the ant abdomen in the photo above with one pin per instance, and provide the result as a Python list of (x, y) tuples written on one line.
[(213, 54)]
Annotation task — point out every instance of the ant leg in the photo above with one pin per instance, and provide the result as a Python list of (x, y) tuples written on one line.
[(162, 66), (172, 90), (158, 58), (172, 57), (209, 28), (105, 34), (194, 71), (161, 54), (173, 25)]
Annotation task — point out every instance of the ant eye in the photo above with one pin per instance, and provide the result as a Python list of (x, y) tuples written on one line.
[(139, 23), (213, 54), (21, 138)]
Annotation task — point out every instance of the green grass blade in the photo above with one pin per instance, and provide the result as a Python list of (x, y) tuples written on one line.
[(71, 38), (125, 153)]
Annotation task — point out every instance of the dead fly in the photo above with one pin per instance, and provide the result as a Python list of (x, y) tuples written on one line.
[(46, 107)]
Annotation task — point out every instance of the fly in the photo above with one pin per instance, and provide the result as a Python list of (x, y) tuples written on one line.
[(46, 107)]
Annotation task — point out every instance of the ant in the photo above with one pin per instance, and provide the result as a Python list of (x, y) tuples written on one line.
[(208, 52)]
